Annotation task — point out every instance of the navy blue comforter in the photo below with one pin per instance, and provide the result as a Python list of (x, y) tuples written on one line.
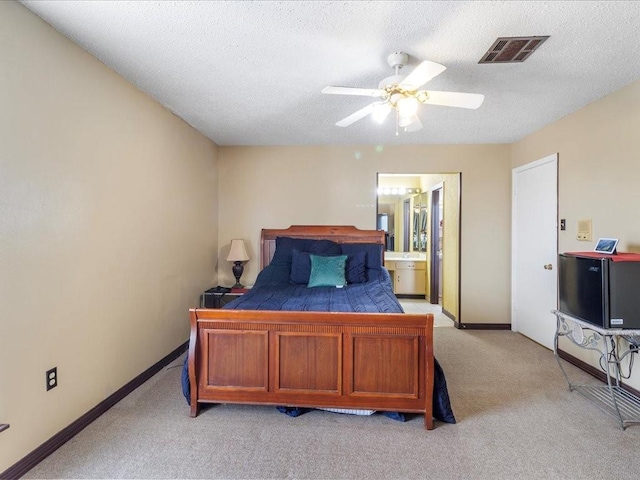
[(372, 296), (273, 291)]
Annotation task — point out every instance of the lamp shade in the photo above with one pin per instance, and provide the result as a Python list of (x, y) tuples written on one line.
[(237, 252)]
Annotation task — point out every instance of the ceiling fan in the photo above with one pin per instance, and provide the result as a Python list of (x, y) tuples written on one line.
[(402, 94)]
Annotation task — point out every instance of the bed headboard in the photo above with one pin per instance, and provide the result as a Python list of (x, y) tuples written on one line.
[(338, 234)]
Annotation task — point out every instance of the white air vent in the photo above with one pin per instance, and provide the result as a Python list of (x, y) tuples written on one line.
[(512, 49)]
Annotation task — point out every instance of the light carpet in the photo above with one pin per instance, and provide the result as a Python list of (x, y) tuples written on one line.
[(516, 419)]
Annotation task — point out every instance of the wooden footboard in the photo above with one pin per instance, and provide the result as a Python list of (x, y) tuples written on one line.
[(371, 361)]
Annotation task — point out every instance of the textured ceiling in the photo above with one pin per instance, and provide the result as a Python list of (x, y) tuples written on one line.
[(250, 73)]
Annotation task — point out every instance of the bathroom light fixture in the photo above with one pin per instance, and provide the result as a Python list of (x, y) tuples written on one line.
[(397, 190)]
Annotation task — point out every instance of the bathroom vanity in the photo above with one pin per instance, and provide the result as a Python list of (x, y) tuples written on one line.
[(408, 271)]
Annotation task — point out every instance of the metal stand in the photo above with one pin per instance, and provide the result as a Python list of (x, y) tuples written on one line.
[(612, 398)]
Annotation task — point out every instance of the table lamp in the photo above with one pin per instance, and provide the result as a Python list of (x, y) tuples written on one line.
[(237, 255)]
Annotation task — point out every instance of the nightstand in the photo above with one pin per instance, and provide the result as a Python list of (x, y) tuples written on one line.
[(218, 297), (239, 291)]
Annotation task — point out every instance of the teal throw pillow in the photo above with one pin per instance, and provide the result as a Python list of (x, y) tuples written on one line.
[(327, 271)]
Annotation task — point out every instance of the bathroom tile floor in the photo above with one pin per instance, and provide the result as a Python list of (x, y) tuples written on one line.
[(411, 305)]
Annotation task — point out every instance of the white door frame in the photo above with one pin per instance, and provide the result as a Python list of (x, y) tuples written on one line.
[(553, 158)]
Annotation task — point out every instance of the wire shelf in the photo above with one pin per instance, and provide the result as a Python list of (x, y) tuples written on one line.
[(628, 404), (611, 397)]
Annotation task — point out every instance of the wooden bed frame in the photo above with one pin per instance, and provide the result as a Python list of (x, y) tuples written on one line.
[(374, 361)]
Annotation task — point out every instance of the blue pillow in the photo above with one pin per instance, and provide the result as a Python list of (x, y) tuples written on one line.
[(286, 245), (300, 267), (355, 267), (373, 252), (273, 274), (323, 247), (284, 249), (327, 271)]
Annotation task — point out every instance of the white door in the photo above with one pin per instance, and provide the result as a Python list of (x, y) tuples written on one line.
[(535, 249)]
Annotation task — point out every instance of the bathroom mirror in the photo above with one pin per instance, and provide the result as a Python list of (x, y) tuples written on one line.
[(416, 223), (423, 232)]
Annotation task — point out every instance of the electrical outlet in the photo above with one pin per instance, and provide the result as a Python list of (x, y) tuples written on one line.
[(634, 342), (52, 378)]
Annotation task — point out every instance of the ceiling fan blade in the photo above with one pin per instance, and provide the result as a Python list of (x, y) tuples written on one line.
[(365, 92), (414, 126), (422, 74), (354, 117), (455, 99)]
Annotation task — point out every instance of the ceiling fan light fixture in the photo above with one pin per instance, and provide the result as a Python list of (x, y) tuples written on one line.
[(380, 112), (407, 106), (405, 120), (401, 94), (390, 81), (415, 124)]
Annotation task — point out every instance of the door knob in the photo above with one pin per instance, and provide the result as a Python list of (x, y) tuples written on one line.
[(548, 266)]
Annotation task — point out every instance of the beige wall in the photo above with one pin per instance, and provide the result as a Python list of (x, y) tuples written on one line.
[(107, 230), (275, 187), (599, 166), (599, 162), (101, 190)]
